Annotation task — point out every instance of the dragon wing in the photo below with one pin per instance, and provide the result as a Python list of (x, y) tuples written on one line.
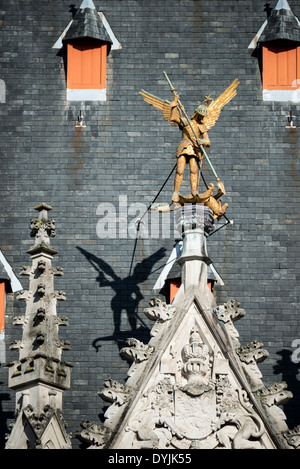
[(163, 106), (214, 109)]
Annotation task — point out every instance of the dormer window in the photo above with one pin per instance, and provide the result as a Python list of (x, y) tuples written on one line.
[(277, 44), (86, 42)]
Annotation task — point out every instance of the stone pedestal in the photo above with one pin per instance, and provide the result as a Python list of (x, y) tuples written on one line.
[(193, 222)]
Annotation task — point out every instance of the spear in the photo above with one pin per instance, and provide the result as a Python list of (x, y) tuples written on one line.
[(220, 184)]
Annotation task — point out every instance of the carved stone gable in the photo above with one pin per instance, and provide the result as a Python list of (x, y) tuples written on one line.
[(188, 389), (194, 385)]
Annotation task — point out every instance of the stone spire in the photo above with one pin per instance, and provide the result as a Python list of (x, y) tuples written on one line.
[(39, 377)]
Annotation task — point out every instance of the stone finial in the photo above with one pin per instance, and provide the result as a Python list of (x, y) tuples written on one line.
[(42, 229)]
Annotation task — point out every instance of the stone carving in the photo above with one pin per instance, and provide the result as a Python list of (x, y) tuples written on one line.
[(249, 356), (228, 313), (159, 310), (41, 289), (61, 320), (136, 350), (16, 345), (60, 295), (25, 270), (42, 434), (115, 392), (154, 426), (293, 437), (24, 295), (197, 411), (40, 421), (63, 344), (237, 427), (41, 229), (93, 435), (118, 395), (272, 397), (40, 337), (197, 364), (41, 265), (20, 320), (191, 391), (57, 271)]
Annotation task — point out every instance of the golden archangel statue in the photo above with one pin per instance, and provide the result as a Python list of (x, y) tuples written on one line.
[(194, 138)]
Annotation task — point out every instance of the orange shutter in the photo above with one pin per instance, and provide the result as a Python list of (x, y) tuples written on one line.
[(281, 66), (174, 287), (175, 283), (86, 65), (2, 305)]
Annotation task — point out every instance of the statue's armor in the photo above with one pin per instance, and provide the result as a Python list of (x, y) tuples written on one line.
[(187, 144)]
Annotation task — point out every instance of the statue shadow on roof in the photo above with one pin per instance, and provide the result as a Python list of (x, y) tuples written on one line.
[(127, 295)]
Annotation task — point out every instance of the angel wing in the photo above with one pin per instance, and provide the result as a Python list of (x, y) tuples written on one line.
[(214, 109), (163, 106)]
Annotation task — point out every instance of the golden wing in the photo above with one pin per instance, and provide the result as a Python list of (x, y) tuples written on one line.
[(214, 109), (163, 106)]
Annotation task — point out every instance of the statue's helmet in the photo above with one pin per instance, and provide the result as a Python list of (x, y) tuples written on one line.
[(200, 110)]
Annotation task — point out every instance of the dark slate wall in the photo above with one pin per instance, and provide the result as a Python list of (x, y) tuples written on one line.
[(127, 149)]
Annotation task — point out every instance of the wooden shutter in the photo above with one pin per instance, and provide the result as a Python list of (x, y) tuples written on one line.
[(86, 67), (281, 65), (174, 287)]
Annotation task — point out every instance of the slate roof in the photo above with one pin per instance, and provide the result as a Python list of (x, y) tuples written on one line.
[(87, 23), (3, 274), (12, 284), (282, 24)]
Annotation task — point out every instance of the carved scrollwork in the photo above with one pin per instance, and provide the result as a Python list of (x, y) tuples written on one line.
[(159, 310), (252, 352), (93, 434), (293, 437), (137, 351), (115, 392)]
